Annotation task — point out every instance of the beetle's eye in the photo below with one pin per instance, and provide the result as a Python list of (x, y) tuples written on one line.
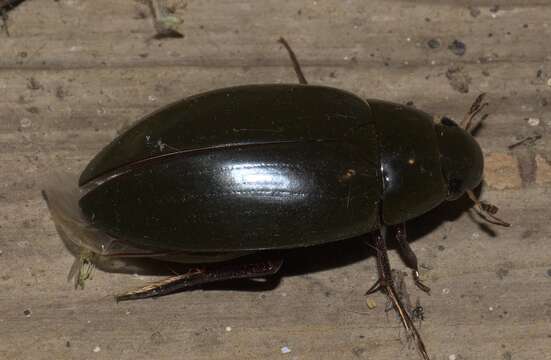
[(454, 186), (446, 121)]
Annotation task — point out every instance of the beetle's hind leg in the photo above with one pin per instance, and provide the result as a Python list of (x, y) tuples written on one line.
[(409, 256), (204, 275), (296, 65)]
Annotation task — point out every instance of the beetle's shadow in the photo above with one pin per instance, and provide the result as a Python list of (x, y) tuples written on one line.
[(303, 260)]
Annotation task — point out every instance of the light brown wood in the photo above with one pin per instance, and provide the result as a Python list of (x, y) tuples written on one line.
[(74, 73)]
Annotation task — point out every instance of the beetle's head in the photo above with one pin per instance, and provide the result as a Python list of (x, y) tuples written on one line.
[(461, 158)]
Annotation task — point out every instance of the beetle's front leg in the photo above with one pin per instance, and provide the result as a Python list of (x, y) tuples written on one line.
[(408, 254), (203, 275)]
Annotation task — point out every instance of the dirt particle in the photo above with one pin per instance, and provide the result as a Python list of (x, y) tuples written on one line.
[(358, 352), (157, 338), (33, 84), (33, 110), (503, 269), (97, 349), (526, 234), (371, 304), (507, 355), (458, 47), (458, 79), (548, 273), (474, 11), (441, 247), (60, 92), (68, 344), (433, 43), (485, 73), (494, 9), (533, 121), (27, 313), (25, 123)]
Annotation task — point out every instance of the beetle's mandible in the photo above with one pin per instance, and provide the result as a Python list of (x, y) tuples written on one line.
[(251, 168)]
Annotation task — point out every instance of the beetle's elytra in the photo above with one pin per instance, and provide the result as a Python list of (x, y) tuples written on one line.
[(274, 166), (259, 167)]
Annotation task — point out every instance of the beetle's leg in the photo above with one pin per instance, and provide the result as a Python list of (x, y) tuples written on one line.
[(408, 254), (204, 275), (386, 284), (296, 65)]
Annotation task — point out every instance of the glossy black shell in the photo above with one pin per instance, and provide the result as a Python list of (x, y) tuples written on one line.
[(264, 167)]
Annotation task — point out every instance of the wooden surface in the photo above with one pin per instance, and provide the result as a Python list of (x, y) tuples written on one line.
[(74, 73)]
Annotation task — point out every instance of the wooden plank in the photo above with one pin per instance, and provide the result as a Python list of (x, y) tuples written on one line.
[(75, 73)]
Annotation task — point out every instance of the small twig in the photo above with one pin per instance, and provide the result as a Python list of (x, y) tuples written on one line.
[(526, 141), (164, 23)]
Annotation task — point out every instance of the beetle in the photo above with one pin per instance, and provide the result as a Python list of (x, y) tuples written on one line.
[(253, 168)]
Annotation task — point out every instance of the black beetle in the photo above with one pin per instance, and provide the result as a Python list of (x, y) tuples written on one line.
[(260, 167)]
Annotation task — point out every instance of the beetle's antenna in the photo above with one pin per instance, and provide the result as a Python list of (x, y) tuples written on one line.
[(475, 109), (487, 211), (296, 65)]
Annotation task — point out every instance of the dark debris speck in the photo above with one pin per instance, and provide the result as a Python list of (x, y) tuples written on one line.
[(474, 11), (433, 43), (548, 273), (27, 312), (458, 48)]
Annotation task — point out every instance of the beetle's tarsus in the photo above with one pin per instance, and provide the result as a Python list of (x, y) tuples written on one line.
[(204, 275), (82, 269), (296, 65), (374, 288), (475, 109), (487, 211), (409, 256), (419, 283)]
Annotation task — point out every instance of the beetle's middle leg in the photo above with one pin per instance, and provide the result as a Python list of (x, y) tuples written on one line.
[(204, 275), (296, 65), (386, 284), (408, 254)]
